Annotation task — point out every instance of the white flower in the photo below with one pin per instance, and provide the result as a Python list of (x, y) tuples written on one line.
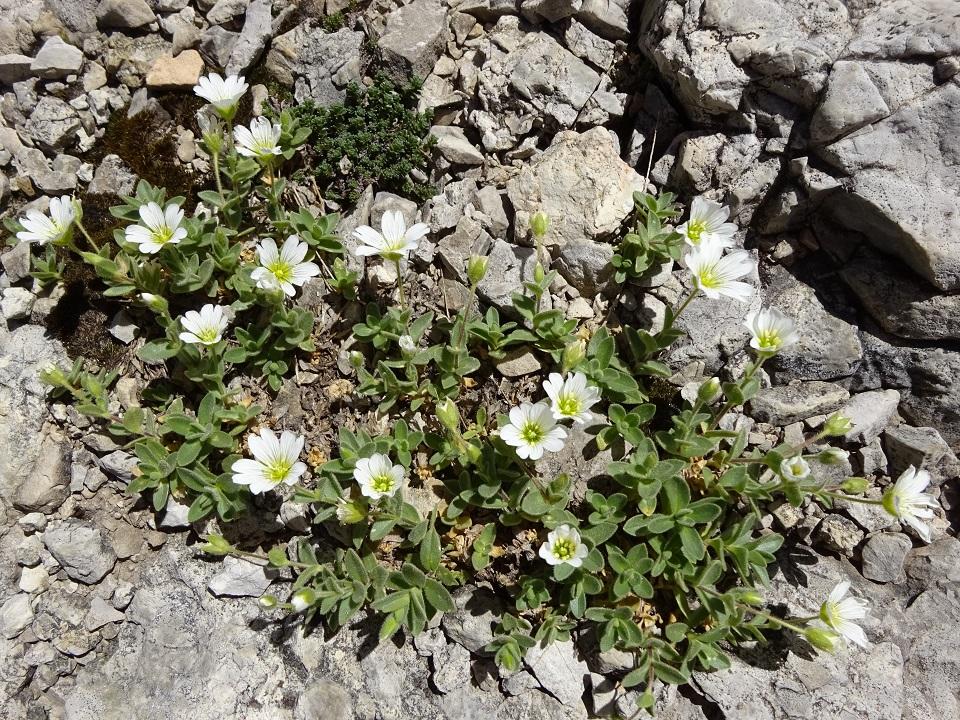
[(407, 346), (284, 267), (532, 430), (222, 93), (54, 228), (571, 397), (708, 223), (275, 461), (717, 274), (563, 545), (394, 240), (158, 227), (839, 612), (205, 327), (378, 477), (302, 599), (907, 502), (795, 468), (259, 140), (772, 331)]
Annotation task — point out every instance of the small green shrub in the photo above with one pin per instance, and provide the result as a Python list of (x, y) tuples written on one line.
[(374, 137)]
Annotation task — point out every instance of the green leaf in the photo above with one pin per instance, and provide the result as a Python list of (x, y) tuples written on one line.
[(430, 550), (202, 506), (676, 494), (691, 544), (438, 596)]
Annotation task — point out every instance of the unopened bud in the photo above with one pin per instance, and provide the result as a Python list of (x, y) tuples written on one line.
[(751, 597), (821, 638), (350, 512), (539, 223), (156, 303), (832, 456), (407, 346), (855, 485), (709, 391), (476, 268), (267, 601), (53, 375), (302, 599), (448, 415), (356, 359), (836, 425), (573, 355)]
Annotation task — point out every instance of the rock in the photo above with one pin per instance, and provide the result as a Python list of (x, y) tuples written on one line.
[(789, 403), (47, 485), (33, 522), (320, 65), (518, 363), (884, 555), (451, 668), (241, 578), (471, 624), (124, 14), (324, 699), (15, 615), (119, 464), (53, 124), (839, 534), (587, 46), (180, 72), (607, 18), (175, 515), (560, 671), (923, 448), (113, 177), (101, 613), (34, 580), (123, 327), (850, 102), (513, 267), (81, 549), (56, 59), (14, 67), (16, 262), (901, 302), (870, 517), (490, 203), (223, 11), (414, 39), (536, 77), (870, 413), (904, 207), (256, 33), (385, 201), (581, 183), (828, 347), (583, 462), (216, 44), (127, 541), (453, 144), (934, 393), (585, 264), (17, 303)]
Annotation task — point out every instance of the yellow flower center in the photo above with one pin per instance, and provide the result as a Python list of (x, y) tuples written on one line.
[(208, 335), (282, 271), (695, 230), (769, 340), (564, 549), (278, 470), (382, 483), (708, 277), (532, 432), (568, 404)]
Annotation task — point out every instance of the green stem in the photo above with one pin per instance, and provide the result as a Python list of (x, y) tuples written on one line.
[(216, 173), (729, 404), (683, 306), (403, 298), (86, 235)]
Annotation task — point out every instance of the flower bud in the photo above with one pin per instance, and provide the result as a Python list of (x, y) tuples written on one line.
[(53, 375), (473, 453), (350, 512), (832, 456), (855, 485), (155, 302), (836, 424), (407, 346), (356, 359), (476, 268), (538, 273), (709, 391), (267, 602), (217, 545), (211, 131), (448, 415), (302, 599), (573, 354), (539, 223), (751, 597), (821, 638)]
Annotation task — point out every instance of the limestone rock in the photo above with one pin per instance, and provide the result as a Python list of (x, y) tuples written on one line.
[(922, 447), (113, 177), (180, 72), (253, 38), (790, 403), (81, 549), (124, 14), (319, 65), (585, 264), (56, 59), (53, 124), (453, 144), (415, 37), (581, 183), (884, 555), (241, 578), (514, 266), (870, 413)]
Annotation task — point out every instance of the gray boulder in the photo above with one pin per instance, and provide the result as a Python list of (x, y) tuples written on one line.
[(318, 65), (787, 404), (415, 37), (82, 550), (56, 59)]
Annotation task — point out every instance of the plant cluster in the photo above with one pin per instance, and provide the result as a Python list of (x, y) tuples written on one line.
[(374, 137), (665, 559)]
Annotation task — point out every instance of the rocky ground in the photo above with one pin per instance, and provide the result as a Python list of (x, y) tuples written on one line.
[(831, 128)]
